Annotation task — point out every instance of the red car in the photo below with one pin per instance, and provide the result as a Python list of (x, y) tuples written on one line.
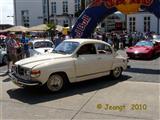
[(144, 50)]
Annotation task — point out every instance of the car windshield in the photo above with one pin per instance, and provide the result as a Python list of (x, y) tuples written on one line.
[(43, 44), (66, 47), (144, 43)]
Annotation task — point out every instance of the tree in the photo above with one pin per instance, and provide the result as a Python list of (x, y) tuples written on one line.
[(51, 29)]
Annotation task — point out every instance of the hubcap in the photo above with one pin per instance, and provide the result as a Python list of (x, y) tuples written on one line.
[(55, 83), (117, 72)]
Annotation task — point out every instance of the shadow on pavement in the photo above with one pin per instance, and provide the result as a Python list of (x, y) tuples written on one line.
[(3, 74), (7, 80), (39, 95), (143, 71), (1, 65)]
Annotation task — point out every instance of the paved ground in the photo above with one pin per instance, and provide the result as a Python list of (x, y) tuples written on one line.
[(135, 96)]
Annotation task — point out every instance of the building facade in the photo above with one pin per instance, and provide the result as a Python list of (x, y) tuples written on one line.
[(30, 13), (143, 22)]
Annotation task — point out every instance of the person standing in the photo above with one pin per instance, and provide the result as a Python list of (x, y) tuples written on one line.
[(58, 39), (19, 49), (25, 44), (11, 50)]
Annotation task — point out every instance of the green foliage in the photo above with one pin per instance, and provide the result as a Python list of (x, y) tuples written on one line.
[(51, 26)]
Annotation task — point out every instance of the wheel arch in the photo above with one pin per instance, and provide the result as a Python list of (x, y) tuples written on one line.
[(64, 74)]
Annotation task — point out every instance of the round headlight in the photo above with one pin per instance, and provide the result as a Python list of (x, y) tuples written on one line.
[(136, 52)]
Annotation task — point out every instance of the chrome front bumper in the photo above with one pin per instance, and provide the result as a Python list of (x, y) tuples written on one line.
[(22, 82)]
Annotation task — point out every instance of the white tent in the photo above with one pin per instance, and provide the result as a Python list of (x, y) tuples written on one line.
[(16, 29)]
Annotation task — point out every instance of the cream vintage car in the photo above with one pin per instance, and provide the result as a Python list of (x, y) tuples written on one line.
[(72, 61)]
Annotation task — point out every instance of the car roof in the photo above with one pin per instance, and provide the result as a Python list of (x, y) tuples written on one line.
[(84, 41), (39, 40)]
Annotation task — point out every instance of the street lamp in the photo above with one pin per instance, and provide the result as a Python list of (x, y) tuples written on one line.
[(11, 16)]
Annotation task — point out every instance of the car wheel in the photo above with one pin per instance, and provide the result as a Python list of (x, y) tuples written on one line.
[(4, 60), (56, 82), (117, 72)]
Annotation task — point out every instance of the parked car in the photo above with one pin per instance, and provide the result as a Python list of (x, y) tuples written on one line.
[(71, 61), (40, 46), (3, 55), (156, 38), (144, 50)]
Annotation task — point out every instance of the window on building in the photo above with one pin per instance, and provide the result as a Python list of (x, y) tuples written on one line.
[(25, 18), (65, 6), (65, 23), (147, 24), (77, 5), (53, 8), (44, 8), (132, 24)]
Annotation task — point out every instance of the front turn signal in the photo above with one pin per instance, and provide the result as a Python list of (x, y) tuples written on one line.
[(35, 73)]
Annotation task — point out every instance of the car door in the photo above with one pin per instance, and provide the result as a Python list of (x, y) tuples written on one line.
[(86, 62), (105, 57)]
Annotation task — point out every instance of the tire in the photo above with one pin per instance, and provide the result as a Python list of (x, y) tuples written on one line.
[(56, 82), (116, 73), (4, 60)]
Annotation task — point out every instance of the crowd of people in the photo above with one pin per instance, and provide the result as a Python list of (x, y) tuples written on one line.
[(121, 40), (17, 48)]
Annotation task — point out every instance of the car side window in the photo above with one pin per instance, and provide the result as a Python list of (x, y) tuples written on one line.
[(103, 49), (87, 49)]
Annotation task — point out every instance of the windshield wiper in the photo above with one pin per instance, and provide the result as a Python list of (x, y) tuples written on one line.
[(61, 51), (54, 51)]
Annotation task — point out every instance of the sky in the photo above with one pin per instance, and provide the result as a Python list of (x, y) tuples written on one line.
[(6, 12)]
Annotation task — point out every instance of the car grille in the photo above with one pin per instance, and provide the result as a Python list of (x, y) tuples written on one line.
[(21, 72)]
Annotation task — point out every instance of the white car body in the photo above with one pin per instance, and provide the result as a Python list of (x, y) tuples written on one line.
[(77, 67), (3, 55), (40, 50)]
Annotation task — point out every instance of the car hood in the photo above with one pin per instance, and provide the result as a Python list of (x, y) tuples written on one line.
[(44, 50), (139, 49), (40, 59)]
